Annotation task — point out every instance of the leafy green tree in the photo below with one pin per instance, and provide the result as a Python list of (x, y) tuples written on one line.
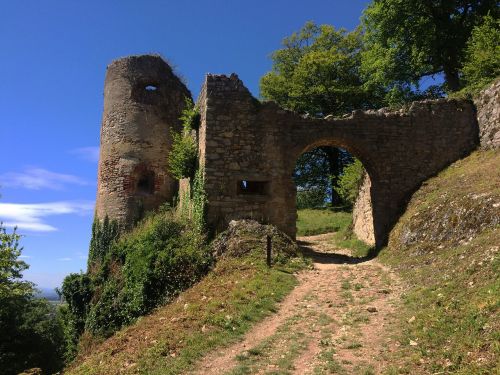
[(318, 72), (482, 57), (406, 40), (350, 181), (30, 331)]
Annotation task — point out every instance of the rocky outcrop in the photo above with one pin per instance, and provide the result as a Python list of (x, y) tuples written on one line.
[(488, 116)]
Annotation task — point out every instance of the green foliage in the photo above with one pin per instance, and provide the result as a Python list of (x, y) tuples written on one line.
[(350, 182), (406, 40), (11, 267), (317, 72), (31, 334), (199, 201), (482, 60), (77, 292), (183, 157), (190, 116), (103, 235), (143, 269), (312, 198)]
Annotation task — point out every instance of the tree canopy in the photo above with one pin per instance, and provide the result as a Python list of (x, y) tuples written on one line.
[(318, 71), (406, 40), (482, 55)]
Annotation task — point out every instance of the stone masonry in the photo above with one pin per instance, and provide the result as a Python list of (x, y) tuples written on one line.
[(143, 100), (249, 149), (246, 142)]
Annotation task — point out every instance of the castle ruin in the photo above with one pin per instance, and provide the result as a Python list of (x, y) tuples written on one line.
[(248, 149)]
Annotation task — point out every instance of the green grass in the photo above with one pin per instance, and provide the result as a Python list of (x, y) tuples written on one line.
[(318, 221), (213, 313)]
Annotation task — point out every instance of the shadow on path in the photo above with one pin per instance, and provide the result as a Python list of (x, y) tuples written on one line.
[(332, 258)]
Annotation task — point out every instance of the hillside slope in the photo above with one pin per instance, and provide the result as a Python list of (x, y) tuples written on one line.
[(446, 248), (219, 309)]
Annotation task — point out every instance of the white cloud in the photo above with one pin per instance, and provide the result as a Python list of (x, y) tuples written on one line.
[(24, 256), (64, 259), (90, 153), (39, 178), (29, 216)]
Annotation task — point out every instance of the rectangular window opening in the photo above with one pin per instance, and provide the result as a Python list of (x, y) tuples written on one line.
[(247, 187)]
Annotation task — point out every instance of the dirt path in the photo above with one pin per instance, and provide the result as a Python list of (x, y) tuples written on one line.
[(337, 320)]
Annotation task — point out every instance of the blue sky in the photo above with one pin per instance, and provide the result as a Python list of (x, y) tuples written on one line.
[(53, 57)]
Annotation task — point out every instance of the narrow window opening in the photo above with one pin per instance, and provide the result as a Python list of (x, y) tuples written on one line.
[(151, 88), (252, 187), (146, 184)]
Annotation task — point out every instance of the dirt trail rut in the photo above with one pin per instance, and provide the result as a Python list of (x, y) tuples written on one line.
[(337, 320)]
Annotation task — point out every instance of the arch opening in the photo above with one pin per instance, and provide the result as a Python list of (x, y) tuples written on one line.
[(333, 195)]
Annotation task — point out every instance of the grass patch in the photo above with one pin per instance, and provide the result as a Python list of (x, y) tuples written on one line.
[(213, 313), (319, 221)]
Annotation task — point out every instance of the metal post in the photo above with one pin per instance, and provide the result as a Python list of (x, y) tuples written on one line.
[(269, 250)]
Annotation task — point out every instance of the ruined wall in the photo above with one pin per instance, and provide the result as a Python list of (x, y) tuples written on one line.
[(249, 150), (488, 115), (143, 99)]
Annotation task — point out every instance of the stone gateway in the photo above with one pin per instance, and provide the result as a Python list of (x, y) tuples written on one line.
[(248, 149)]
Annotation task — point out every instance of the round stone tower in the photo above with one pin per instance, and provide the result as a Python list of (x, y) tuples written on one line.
[(143, 100)]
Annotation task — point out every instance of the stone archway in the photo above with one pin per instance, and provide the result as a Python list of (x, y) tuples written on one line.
[(242, 139), (363, 220)]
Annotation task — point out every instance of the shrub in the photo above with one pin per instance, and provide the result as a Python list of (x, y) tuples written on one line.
[(144, 268)]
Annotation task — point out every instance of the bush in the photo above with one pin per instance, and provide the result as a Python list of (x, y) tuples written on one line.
[(77, 292), (143, 269), (160, 258)]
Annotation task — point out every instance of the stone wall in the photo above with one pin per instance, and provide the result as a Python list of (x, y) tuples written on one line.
[(249, 150), (488, 116), (362, 213), (143, 100)]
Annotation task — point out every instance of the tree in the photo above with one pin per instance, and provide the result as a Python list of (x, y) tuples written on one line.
[(482, 55), (318, 72), (31, 334), (405, 40), (350, 182)]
